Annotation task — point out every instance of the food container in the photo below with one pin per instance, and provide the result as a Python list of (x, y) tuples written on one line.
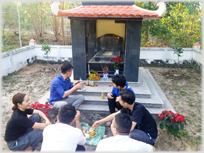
[(87, 83), (102, 95), (105, 136), (92, 83)]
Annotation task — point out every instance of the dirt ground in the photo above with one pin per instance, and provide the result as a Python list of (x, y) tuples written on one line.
[(182, 88)]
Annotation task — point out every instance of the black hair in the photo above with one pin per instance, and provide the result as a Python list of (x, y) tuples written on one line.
[(123, 123), (17, 98), (66, 114), (119, 80), (127, 96), (66, 67)]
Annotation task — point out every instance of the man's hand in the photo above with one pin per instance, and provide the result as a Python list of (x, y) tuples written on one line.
[(117, 99), (96, 124), (47, 122), (80, 85), (110, 95), (77, 116)]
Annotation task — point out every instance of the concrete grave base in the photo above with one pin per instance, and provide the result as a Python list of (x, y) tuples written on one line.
[(146, 89)]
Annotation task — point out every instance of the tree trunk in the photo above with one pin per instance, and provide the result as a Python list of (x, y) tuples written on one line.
[(62, 25), (41, 21), (19, 23), (35, 27), (55, 28)]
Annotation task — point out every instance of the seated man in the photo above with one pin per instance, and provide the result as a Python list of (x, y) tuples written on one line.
[(61, 136), (62, 87), (120, 141), (144, 127), (119, 83)]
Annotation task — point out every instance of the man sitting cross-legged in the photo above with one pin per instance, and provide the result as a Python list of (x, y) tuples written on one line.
[(61, 136), (120, 141), (62, 87), (144, 127)]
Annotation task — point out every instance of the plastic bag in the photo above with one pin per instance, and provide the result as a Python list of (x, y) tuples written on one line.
[(100, 133)]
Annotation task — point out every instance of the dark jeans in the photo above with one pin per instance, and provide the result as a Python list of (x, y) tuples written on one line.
[(80, 148), (30, 138), (142, 136), (112, 105)]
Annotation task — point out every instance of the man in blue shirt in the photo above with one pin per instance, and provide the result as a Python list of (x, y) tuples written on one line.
[(119, 83), (62, 87)]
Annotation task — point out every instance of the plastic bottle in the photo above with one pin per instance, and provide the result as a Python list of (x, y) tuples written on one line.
[(80, 80)]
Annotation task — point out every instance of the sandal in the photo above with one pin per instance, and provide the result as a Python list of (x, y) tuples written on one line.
[(108, 124)]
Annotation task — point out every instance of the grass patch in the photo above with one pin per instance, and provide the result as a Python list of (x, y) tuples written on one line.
[(200, 128), (193, 115), (198, 140), (183, 93), (8, 78), (183, 133), (191, 104)]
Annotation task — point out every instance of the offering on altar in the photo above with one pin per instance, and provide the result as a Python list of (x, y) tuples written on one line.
[(94, 75), (90, 83)]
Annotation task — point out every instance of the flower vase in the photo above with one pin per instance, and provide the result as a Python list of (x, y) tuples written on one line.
[(105, 76), (116, 72)]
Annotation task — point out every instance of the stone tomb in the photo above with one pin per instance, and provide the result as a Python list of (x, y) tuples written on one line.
[(146, 89)]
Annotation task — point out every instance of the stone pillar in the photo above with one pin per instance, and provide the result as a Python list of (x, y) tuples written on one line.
[(78, 48), (132, 50), (91, 38)]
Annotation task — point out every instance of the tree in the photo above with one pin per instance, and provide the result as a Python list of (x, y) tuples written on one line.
[(177, 24), (9, 16), (178, 50), (19, 23), (46, 49), (62, 25)]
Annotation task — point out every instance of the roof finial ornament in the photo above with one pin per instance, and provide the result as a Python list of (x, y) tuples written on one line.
[(160, 11), (55, 7)]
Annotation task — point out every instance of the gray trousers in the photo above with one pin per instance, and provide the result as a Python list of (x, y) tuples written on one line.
[(75, 101), (30, 138)]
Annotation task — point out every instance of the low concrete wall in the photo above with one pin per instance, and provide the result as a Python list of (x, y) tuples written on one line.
[(15, 60), (58, 53)]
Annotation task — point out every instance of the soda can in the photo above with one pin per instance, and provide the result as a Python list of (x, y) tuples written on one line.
[(105, 136)]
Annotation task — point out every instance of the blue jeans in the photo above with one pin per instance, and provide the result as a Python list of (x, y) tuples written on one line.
[(142, 136), (30, 138)]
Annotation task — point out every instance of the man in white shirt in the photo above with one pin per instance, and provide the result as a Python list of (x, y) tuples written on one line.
[(62, 136), (120, 141)]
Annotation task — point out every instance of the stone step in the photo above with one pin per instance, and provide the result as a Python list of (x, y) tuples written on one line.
[(103, 109), (141, 91), (96, 100), (100, 109), (154, 94)]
